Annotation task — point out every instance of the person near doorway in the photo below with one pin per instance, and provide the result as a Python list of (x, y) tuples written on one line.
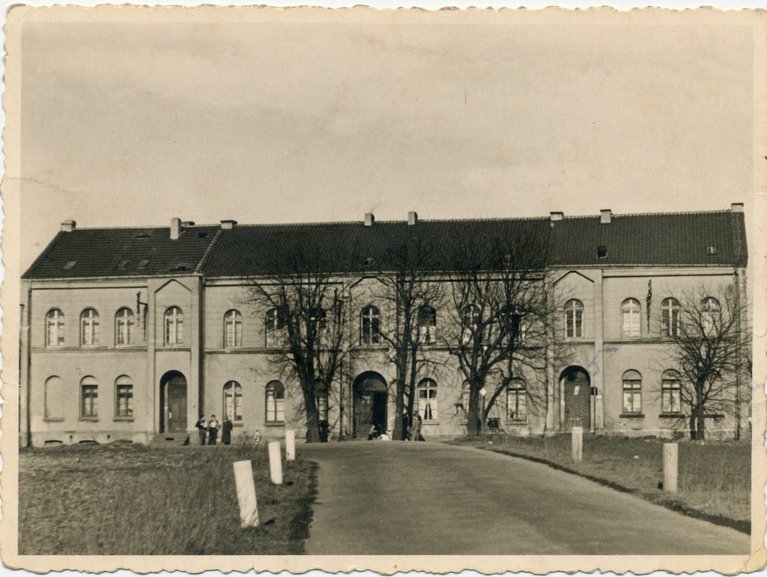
[(202, 429), (226, 431), (212, 430), (415, 432)]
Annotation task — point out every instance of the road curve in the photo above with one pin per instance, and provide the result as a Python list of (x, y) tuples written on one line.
[(379, 498)]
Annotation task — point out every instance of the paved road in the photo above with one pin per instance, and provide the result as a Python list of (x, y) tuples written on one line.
[(381, 498)]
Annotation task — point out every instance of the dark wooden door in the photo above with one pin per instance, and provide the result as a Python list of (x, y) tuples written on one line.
[(176, 415), (577, 400), (379, 410), (363, 413)]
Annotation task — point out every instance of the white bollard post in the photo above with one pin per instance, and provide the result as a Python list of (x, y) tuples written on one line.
[(290, 445), (275, 462), (670, 467), (246, 493), (577, 444)]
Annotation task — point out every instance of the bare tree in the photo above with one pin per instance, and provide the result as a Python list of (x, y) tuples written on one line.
[(503, 306), (708, 333), (414, 297), (303, 304)]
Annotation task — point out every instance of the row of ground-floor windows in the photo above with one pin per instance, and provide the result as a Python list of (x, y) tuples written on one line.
[(55, 396), (671, 392)]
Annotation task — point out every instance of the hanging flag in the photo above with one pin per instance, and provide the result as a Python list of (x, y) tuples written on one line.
[(649, 302)]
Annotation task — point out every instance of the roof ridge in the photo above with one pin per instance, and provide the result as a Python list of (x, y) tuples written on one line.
[(670, 213)]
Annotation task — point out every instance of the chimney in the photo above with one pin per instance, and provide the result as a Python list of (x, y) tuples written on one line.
[(557, 216), (606, 216), (228, 224), (175, 228), (186, 223), (412, 218), (369, 219), (736, 207), (68, 225)]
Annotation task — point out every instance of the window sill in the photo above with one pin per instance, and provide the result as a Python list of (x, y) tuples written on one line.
[(671, 416), (275, 423), (632, 416), (88, 419), (53, 419), (128, 419)]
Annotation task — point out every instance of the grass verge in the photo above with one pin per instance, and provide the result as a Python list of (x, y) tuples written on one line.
[(714, 477), (139, 500)]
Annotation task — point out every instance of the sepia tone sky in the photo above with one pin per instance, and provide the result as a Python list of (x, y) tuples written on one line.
[(131, 124)]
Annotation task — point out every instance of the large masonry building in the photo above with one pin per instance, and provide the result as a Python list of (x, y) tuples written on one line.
[(133, 333)]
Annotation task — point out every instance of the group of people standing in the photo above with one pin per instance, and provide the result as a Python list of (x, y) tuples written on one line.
[(208, 430), (410, 431)]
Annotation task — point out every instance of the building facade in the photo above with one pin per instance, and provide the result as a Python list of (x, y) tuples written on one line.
[(131, 334)]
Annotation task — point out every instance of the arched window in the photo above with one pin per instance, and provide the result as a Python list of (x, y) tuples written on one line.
[(573, 319), (669, 317), (89, 397), (54, 328), (124, 327), (632, 393), (274, 328), (174, 326), (427, 324), (233, 401), (232, 329), (710, 315), (427, 400), (671, 393), (123, 397), (370, 325), (54, 398), (471, 317), (516, 401), (89, 328), (275, 402), (631, 318)]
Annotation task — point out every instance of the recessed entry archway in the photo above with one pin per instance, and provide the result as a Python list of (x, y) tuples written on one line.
[(370, 403), (576, 388), (173, 402)]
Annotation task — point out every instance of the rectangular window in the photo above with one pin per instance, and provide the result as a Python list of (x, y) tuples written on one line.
[(89, 401), (632, 397), (517, 405), (124, 401)]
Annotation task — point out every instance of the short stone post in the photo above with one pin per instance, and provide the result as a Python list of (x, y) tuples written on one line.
[(290, 445), (577, 444), (670, 467), (246, 493), (275, 462)]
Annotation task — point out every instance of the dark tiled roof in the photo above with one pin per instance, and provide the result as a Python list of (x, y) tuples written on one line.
[(645, 239), (98, 252), (353, 247), (656, 239)]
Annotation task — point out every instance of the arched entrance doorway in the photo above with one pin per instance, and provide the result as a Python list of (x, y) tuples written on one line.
[(173, 403), (370, 400), (577, 394)]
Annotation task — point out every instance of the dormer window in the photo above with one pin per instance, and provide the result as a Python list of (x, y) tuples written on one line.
[(601, 251), (142, 264), (710, 250), (70, 265)]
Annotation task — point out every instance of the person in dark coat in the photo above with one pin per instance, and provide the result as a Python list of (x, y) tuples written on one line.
[(202, 428), (226, 431), (212, 430)]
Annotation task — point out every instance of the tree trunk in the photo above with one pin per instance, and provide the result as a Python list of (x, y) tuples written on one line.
[(473, 426), (701, 425)]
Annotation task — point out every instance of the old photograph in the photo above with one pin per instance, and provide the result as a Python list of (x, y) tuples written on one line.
[(401, 289)]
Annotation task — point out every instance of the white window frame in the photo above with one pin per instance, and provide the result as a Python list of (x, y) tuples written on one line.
[(124, 327), (173, 326), (670, 317), (428, 403), (123, 392), (370, 325), (671, 393), (55, 326), (275, 402), (631, 318), (632, 385), (89, 406), (574, 328), (232, 329)]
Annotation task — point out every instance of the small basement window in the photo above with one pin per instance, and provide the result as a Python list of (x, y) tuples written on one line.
[(70, 265), (601, 251)]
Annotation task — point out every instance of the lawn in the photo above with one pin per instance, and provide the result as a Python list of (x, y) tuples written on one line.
[(124, 499), (714, 477)]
